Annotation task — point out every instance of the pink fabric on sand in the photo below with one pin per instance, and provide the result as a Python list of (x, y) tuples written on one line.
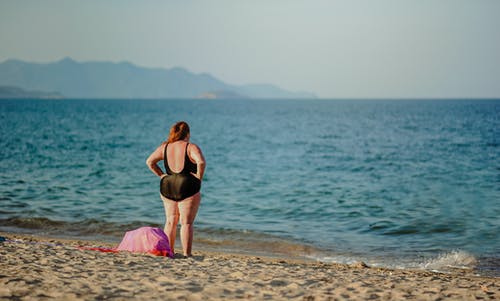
[(146, 240)]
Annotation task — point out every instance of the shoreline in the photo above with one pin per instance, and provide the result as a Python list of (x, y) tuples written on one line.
[(38, 267), (276, 247)]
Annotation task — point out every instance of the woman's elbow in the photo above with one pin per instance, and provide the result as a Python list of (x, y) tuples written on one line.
[(150, 162)]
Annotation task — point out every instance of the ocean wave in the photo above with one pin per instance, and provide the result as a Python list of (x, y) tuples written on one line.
[(456, 259), (90, 228), (444, 262)]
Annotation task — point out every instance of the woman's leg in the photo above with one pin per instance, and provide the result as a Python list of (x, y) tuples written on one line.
[(172, 218), (188, 209)]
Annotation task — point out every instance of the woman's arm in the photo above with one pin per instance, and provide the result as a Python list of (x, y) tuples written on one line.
[(154, 158), (197, 156)]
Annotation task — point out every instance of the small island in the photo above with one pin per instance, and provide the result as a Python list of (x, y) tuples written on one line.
[(222, 94)]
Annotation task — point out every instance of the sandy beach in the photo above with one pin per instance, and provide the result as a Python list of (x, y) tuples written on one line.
[(40, 268)]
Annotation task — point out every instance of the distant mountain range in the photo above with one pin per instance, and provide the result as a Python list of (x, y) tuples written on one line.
[(125, 80)]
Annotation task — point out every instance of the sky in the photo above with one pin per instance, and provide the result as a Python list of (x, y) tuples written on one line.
[(335, 49)]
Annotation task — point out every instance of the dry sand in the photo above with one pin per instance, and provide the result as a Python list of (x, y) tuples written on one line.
[(38, 268)]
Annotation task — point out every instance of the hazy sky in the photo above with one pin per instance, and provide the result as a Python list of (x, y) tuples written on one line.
[(399, 48)]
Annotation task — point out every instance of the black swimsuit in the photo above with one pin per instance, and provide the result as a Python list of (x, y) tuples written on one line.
[(178, 186)]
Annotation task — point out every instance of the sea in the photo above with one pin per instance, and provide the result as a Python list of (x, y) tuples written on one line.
[(405, 184)]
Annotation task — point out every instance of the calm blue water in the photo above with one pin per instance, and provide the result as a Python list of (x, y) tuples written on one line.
[(394, 183)]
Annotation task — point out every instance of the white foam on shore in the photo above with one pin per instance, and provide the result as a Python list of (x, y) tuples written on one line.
[(457, 259), (338, 258)]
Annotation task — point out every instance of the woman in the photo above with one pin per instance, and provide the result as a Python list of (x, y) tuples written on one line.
[(180, 185)]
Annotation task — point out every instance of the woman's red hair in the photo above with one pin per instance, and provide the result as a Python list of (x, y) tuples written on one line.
[(179, 131)]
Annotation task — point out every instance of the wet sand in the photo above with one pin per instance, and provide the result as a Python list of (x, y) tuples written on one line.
[(40, 268)]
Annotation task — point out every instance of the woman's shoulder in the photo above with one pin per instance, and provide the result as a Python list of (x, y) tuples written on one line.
[(193, 147)]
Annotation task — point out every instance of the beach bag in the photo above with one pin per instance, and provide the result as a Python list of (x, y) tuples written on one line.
[(146, 240)]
